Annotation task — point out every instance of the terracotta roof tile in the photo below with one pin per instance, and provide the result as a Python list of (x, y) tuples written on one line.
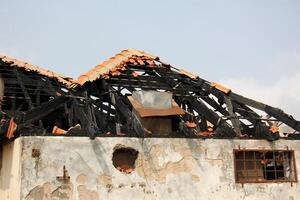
[(113, 65), (116, 63), (119, 61), (28, 67)]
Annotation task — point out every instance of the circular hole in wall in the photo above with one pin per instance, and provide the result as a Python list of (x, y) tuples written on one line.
[(124, 159)]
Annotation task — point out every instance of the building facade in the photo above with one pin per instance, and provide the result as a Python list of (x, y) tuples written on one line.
[(135, 127)]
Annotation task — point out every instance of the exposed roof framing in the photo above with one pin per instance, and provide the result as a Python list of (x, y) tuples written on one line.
[(12, 62), (116, 63), (97, 103), (30, 98), (229, 114)]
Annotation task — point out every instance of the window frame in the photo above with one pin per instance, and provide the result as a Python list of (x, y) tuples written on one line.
[(293, 166)]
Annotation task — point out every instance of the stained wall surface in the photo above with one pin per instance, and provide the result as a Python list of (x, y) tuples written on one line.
[(165, 169), (10, 170)]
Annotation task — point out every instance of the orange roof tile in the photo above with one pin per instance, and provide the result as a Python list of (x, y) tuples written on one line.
[(28, 67), (113, 65), (118, 63)]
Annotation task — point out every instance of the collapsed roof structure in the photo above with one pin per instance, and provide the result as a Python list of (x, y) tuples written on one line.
[(132, 94)]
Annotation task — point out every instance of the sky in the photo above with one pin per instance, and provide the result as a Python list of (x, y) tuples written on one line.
[(253, 47)]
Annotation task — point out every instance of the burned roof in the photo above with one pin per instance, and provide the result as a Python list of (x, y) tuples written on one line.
[(33, 68), (171, 103), (118, 63)]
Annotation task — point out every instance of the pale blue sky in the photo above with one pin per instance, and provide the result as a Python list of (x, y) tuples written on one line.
[(249, 45)]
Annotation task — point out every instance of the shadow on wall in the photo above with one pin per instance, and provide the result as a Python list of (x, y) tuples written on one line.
[(9, 154), (101, 153)]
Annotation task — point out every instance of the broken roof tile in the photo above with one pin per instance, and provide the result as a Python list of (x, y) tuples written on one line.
[(118, 63), (115, 63)]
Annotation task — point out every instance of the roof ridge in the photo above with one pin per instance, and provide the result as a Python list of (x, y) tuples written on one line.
[(113, 63)]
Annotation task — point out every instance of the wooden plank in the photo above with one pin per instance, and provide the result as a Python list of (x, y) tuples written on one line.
[(283, 117), (27, 97), (233, 117), (247, 101), (211, 116), (44, 109)]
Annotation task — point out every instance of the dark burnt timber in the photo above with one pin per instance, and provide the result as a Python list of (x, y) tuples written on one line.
[(100, 103)]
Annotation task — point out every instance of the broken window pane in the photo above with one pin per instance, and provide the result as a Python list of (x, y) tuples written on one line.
[(264, 166)]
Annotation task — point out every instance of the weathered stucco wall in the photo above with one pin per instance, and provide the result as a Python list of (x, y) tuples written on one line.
[(10, 178), (165, 169)]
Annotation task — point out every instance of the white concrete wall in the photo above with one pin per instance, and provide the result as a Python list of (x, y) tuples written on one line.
[(10, 174), (165, 169)]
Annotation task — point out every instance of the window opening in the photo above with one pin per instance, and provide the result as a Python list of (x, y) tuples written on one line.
[(264, 166)]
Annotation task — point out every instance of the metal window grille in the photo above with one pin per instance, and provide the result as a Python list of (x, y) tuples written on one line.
[(257, 166)]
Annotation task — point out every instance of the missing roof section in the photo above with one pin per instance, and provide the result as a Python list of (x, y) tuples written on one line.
[(115, 97)]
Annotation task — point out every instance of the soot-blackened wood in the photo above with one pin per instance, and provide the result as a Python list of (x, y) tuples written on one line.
[(212, 117), (92, 125), (283, 117), (86, 119), (27, 97), (50, 87), (102, 107), (247, 101), (119, 104), (252, 117), (123, 108), (14, 81), (13, 101), (260, 130), (233, 117), (188, 132), (45, 83), (41, 111), (220, 109), (203, 124)]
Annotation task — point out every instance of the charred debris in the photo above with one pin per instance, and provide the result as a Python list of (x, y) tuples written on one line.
[(133, 94)]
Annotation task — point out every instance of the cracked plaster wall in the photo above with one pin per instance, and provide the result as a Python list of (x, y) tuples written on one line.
[(165, 169)]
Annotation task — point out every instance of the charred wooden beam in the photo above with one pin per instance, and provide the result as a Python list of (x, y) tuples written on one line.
[(41, 111), (212, 117), (260, 129), (27, 97), (233, 117), (283, 117), (247, 101), (222, 110)]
